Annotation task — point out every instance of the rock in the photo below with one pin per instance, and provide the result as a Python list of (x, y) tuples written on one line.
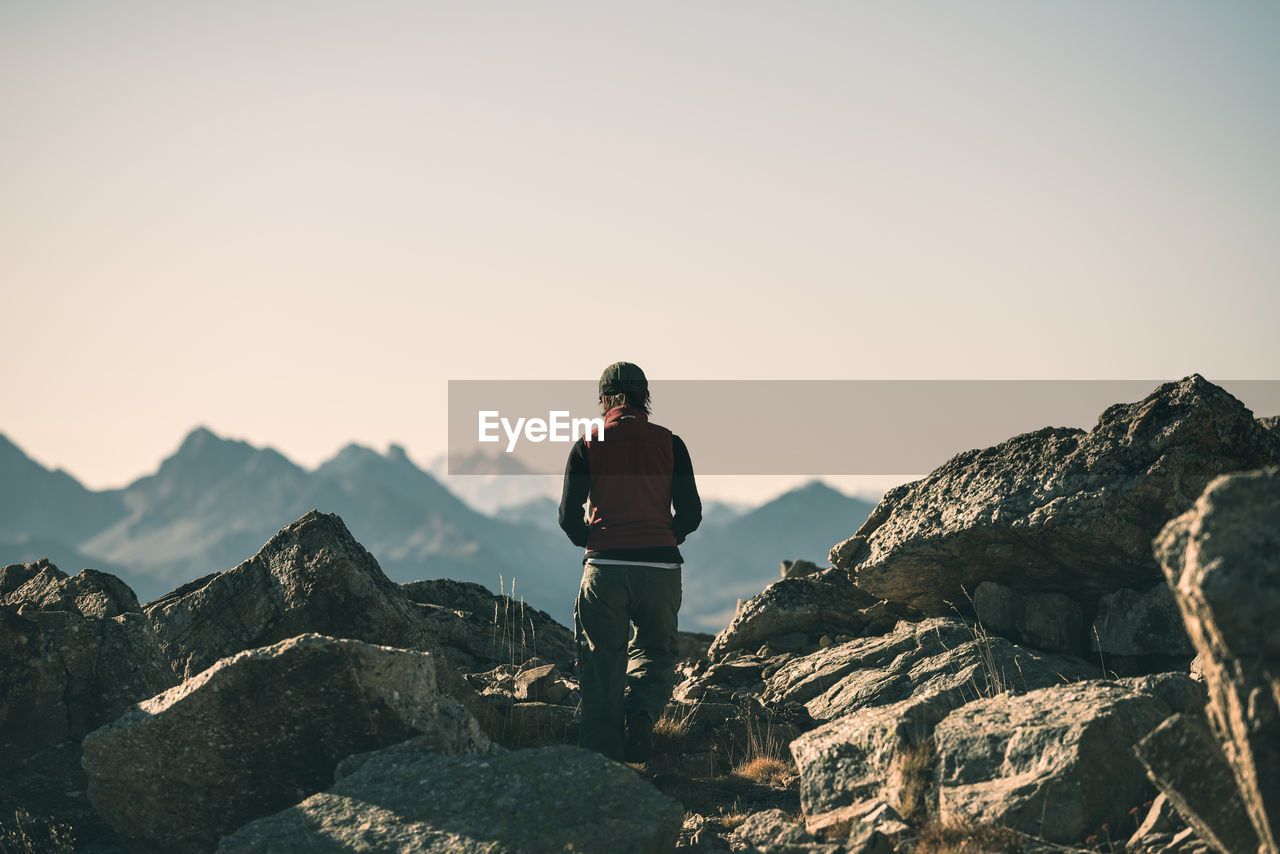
[(545, 799), (74, 654), (1270, 424), (937, 655), (257, 732), (1141, 623), (798, 568), (1161, 818), (1164, 832), (693, 646), (311, 577), (1178, 691), (47, 588), (1057, 763), (65, 674), (738, 676), (1057, 510), (698, 834), (813, 604), (843, 822), (872, 755), (1184, 760), (1222, 559), (1049, 621), (478, 630), (770, 827), (541, 683)]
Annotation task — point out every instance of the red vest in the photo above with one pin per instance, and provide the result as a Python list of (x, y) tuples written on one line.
[(631, 468)]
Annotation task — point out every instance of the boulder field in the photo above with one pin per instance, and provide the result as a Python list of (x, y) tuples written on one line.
[(1059, 643)]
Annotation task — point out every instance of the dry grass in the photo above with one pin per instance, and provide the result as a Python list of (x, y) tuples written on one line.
[(766, 771), (29, 835), (964, 838), (671, 732), (514, 638), (730, 821), (915, 781), (763, 742)]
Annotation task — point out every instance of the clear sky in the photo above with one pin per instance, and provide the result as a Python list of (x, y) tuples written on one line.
[(294, 222)]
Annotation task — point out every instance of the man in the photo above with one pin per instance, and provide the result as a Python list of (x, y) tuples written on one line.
[(634, 472)]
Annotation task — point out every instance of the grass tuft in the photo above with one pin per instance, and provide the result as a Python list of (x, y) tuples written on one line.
[(915, 781), (766, 771), (964, 838)]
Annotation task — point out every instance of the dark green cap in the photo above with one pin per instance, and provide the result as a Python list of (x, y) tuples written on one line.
[(623, 378)]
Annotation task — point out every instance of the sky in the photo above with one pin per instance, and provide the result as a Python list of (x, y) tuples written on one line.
[(295, 222)]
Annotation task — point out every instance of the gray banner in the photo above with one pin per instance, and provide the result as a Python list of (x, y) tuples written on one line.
[(791, 427)]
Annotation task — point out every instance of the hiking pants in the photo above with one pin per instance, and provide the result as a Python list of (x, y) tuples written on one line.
[(610, 599)]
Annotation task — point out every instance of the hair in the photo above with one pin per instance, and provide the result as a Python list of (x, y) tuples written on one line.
[(609, 401)]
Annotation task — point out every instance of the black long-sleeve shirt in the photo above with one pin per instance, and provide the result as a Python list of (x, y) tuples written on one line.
[(684, 499)]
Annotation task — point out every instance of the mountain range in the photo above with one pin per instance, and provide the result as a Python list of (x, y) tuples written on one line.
[(215, 501)]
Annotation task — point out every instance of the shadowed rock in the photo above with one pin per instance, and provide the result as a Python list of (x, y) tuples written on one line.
[(73, 656), (1184, 760), (1222, 559), (479, 630), (1141, 622), (259, 731), (544, 799), (1057, 510), (63, 674), (1044, 620)]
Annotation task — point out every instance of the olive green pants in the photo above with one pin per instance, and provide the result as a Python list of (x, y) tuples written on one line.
[(619, 680)]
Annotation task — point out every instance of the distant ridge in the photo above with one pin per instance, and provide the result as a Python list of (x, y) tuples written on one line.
[(215, 501)]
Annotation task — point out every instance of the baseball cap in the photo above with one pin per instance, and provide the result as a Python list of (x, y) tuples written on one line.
[(623, 378)]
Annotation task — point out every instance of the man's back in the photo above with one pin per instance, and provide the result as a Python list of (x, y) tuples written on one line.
[(632, 474)]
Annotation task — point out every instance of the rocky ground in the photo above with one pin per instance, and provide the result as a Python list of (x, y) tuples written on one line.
[(1061, 643)]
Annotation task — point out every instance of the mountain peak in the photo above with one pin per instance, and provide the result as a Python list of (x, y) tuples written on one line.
[(205, 451)]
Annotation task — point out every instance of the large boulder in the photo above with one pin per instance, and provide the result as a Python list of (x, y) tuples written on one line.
[(939, 654), (479, 630), (1222, 559), (822, 602), (1057, 763), (312, 576), (1057, 510), (74, 653), (539, 800), (258, 732), (882, 698)]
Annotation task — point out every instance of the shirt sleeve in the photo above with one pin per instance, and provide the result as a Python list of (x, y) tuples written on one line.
[(577, 485), (684, 493)]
